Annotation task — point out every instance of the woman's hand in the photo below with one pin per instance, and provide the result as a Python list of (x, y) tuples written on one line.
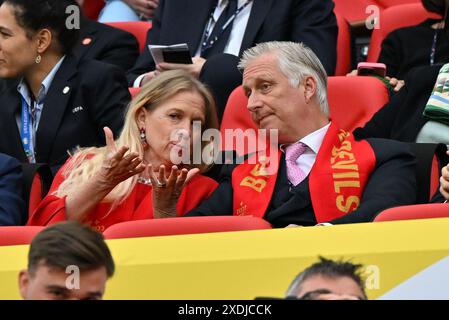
[(166, 191), (117, 166), (144, 8)]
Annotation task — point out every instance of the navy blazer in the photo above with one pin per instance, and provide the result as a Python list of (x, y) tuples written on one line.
[(101, 42), (392, 183), (12, 205), (83, 98), (310, 21)]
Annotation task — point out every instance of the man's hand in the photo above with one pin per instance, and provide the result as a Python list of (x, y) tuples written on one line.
[(144, 8), (194, 68)]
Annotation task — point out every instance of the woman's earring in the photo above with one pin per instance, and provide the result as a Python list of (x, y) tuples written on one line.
[(38, 59), (143, 137)]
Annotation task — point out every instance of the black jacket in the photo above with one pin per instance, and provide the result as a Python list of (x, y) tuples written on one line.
[(83, 98)]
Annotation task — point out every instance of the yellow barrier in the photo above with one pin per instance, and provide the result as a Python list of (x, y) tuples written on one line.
[(243, 265)]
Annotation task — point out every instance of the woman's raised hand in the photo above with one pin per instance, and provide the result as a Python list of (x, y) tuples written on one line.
[(166, 191), (118, 165)]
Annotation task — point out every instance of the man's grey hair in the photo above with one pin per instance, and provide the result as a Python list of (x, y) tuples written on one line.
[(296, 62)]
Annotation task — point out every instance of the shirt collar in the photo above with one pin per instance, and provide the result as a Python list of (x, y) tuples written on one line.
[(313, 140), (46, 83)]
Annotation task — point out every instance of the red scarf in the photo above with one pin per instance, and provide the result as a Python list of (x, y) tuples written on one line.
[(336, 181)]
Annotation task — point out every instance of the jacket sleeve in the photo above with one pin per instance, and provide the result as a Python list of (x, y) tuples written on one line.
[(392, 183), (12, 205), (315, 24), (109, 94), (145, 62), (122, 52)]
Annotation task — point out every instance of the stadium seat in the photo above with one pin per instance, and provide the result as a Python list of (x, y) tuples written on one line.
[(17, 235), (354, 11), (92, 8), (134, 91), (349, 113), (354, 100), (183, 225), (343, 47), (390, 3), (138, 28), (37, 179), (419, 211), (394, 18)]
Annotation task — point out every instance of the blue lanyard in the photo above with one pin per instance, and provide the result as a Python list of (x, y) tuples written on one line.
[(27, 132), (207, 43)]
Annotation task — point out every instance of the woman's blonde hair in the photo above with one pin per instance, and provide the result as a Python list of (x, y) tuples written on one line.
[(86, 162)]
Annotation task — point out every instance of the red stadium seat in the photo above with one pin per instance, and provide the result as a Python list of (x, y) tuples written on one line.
[(394, 18), (138, 28), (17, 235), (177, 226), (134, 91), (390, 3), (419, 211), (343, 47), (352, 102), (92, 8), (353, 10)]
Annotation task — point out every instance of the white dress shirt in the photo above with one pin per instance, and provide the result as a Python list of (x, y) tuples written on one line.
[(313, 142)]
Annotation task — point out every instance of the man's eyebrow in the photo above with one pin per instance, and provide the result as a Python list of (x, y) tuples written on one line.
[(54, 286), (309, 294)]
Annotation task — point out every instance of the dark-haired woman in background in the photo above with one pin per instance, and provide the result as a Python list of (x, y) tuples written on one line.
[(59, 102), (425, 44)]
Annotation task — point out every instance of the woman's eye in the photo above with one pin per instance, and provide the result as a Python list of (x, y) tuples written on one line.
[(174, 116)]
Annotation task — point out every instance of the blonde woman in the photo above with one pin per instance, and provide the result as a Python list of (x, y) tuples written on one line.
[(116, 183)]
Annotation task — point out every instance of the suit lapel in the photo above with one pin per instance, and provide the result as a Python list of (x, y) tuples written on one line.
[(55, 104), (12, 105), (259, 11), (86, 39)]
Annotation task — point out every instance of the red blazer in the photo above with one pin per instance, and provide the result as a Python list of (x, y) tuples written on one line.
[(137, 206)]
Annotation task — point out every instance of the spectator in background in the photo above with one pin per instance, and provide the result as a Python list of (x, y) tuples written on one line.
[(329, 280), (56, 256), (101, 42), (128, 10), (12, 205), (217, 45), (60, 102), (424, 44), (116, 183)]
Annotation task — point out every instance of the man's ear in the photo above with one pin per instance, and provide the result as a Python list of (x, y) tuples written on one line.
[(43, 38), (24, 280), (310, 86)]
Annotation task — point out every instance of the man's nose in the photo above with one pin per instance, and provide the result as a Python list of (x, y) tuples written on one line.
[(254, 102)]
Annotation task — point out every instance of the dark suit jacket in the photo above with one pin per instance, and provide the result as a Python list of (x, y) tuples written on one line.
[(310, 21), (392, 183), (409, 47), (97, 97), (401, 119), (12, 205), (107, 44)]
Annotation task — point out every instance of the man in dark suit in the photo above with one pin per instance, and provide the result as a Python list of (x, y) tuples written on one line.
[(12, 205), (83, 98), (310, 21), (107, 44), (323, 174)]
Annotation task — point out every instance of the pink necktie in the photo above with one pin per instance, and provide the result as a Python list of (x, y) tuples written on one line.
[(294, 173)]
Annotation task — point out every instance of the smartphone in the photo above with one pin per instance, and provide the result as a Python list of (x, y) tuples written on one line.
[(371, 68)]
